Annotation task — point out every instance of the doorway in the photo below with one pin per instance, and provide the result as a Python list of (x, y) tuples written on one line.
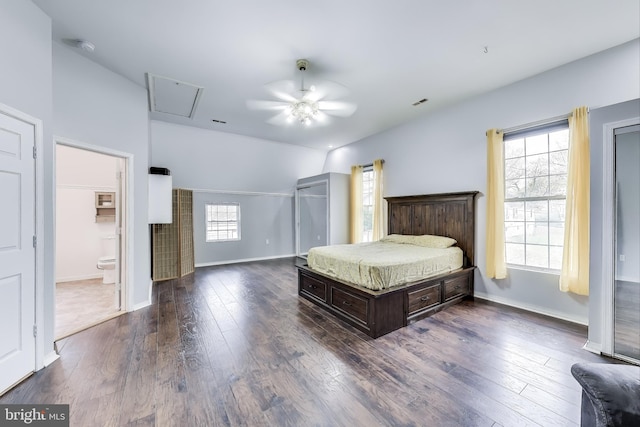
[(312, 216), (90, 237)]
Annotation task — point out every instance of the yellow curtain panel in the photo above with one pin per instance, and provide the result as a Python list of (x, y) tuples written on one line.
[(378, 202), (574, 276), (355, 205), (496, 261)]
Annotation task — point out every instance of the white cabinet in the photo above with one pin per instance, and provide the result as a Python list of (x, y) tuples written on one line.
[(322, 211)]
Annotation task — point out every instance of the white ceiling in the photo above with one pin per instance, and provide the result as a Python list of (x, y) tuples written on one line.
[(388, 53)]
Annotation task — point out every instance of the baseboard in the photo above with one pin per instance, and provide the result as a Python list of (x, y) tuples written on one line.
[(76, 278), (593, 347), (531, 308), (50, 358), (143, 304), (237, 261)]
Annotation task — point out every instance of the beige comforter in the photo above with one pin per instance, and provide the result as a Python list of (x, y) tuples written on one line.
[(382, 265)]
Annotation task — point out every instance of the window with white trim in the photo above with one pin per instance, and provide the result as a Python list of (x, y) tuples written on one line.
[(222, 222), (535, 172), (367, 203)]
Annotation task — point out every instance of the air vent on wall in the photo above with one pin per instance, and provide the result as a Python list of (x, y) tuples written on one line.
[(171, 96)]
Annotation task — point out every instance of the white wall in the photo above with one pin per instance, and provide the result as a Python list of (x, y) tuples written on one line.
[(25, 84), (445, 151), (95, 106), (260, 175), (79, 238), (206, 159)]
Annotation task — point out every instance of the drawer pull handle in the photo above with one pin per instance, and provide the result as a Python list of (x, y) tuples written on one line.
[(348, 304), (313, 287), (425, 298)]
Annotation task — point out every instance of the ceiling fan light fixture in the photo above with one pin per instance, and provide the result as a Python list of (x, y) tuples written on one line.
[(304, 111)]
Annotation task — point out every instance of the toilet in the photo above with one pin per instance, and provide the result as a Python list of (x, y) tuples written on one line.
[(107, 262)]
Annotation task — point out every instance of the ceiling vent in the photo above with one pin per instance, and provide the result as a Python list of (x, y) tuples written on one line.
[(170, 96)]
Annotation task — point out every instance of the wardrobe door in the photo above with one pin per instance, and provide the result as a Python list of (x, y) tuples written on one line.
[(626, 340), (312, 217)]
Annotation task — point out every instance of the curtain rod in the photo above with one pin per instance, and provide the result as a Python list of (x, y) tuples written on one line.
[(538, 123), (370, 165)]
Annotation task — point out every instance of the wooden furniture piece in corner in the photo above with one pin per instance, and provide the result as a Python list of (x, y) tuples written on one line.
[(379, 312), (172, 244)]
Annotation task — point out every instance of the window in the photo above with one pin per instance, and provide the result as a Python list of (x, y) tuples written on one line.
[(535, 171), (223, 222), (367, 204)]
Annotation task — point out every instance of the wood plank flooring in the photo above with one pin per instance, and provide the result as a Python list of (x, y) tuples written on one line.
[(235, 346)]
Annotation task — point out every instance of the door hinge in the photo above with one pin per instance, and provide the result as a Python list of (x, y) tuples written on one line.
[(35, 241), (35, 331), (35, 152)]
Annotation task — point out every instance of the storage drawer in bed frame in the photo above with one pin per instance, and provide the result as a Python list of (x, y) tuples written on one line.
[(379, 312)]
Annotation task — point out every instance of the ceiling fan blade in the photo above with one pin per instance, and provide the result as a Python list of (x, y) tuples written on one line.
[(321, 119), (255, 104), (338, 108), (283, 89), (326, 90)]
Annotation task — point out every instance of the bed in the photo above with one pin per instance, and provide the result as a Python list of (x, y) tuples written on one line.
[(377, 299)]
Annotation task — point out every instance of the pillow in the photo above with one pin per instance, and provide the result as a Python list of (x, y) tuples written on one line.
[(426, 240)]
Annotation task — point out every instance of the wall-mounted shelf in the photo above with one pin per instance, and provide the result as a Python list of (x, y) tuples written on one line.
[(105, 206)]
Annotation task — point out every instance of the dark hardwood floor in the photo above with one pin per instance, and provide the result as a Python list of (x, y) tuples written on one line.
[(235, 346)]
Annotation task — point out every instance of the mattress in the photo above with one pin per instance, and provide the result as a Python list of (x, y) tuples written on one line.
[(383, 265)]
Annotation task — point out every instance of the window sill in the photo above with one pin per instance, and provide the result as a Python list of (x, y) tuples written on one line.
[(533, 269)]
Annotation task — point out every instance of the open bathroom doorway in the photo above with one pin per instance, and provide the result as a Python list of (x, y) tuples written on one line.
[(91, 236)]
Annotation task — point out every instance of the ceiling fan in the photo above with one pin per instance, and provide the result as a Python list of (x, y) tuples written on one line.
[(305, 105)]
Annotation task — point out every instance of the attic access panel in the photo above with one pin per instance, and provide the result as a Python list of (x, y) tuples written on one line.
[(171, 96)]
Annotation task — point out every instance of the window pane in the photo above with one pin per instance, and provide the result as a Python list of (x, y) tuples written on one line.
[(555, 252), (515, 253), (556, 210), (537, 256), (558, 162), (535, 170), (514, 211), (558, 185), (514, 168), (537, 186), (556, 233), (536, 144), (537, 211), (559, 140), (514, 188), (514, 232), (513, 148), (222, 222), (538, 232), (538, 165)]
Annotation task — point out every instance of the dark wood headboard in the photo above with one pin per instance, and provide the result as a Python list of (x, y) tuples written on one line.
[(448, 214)]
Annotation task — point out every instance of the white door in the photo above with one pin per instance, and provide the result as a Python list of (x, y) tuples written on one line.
[(17, 252)]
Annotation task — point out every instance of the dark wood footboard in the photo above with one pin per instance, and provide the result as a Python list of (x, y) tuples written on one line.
[(377, 313)]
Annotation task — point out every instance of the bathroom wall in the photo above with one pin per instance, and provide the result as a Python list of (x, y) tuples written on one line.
[(79, 243)]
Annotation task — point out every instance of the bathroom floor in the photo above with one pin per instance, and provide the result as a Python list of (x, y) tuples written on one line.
[(82, 304)]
